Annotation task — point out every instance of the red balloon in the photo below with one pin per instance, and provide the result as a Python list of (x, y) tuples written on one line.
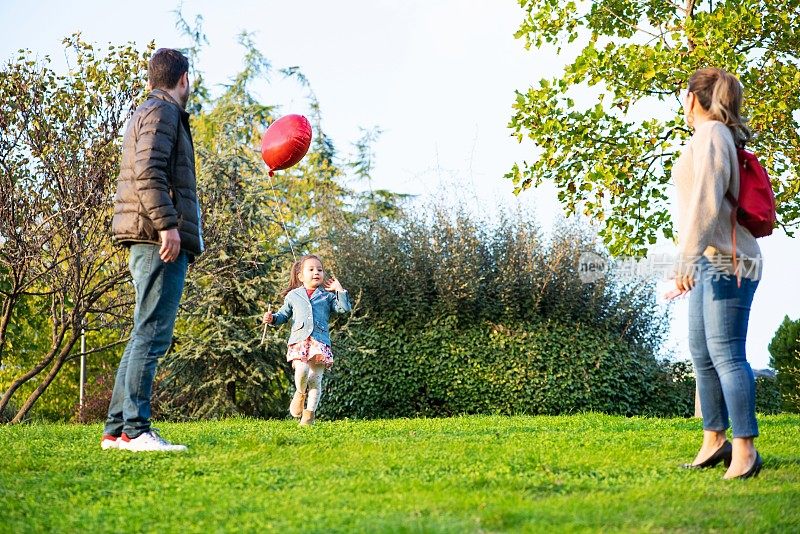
[(285, 142)]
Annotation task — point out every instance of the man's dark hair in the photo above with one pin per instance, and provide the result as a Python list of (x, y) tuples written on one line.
[(166, 68)]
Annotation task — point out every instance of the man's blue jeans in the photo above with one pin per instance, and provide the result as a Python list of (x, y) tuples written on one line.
[(718, 315), (158, 288)]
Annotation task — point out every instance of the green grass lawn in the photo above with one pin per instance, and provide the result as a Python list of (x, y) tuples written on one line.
[(585, 472)]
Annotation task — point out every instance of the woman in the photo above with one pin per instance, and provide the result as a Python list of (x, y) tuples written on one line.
[(719, 304)]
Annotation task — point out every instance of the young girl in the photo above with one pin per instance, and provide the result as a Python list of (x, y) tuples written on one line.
[(309, 306)]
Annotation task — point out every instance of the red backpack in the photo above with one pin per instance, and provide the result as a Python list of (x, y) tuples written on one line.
[(755, 207)]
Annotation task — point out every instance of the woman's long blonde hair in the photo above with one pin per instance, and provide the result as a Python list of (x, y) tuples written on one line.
[(720, 94)]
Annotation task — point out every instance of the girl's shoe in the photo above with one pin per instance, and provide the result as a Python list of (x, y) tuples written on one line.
[(297, 404), (308, 418), (723, 454)]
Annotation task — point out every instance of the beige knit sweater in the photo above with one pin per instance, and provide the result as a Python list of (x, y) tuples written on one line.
[(707, 168)]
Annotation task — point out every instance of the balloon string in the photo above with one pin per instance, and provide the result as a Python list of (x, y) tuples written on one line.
[(280, 215)]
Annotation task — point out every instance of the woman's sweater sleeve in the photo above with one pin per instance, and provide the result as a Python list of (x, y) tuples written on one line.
[(711, 175)]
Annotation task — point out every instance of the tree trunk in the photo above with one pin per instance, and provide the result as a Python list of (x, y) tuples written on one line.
[(689, 15), (62, 357), (230, 390), (33, 372), (8, 306)]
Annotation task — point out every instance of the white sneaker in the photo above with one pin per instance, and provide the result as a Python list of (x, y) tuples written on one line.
[(148, 441), (109, 442)]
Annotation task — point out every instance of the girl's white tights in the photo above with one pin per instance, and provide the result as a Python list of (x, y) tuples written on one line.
[(309, 375)]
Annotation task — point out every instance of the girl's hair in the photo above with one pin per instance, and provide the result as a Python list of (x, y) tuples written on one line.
[(294, 273), (720, 93)]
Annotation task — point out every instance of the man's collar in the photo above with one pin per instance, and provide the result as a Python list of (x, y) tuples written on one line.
[(163, 95)]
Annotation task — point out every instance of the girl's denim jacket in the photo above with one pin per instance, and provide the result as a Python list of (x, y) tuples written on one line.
[(310, 315)]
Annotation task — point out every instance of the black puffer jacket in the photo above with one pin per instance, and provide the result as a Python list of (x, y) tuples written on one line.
[(157, 188)]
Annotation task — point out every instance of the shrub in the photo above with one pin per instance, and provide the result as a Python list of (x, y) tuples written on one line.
[(411, 270), (768, 395), (461, 316), (445, 369), (97, 395), (673, 389), (784, 352), (8, 412)]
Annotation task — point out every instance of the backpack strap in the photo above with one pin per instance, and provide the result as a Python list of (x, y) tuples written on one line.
[(735, 206)]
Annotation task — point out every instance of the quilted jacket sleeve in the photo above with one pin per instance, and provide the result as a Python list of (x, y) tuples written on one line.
[(157, 135)]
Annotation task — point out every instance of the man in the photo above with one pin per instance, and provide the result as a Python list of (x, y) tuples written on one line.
[(156, 215)]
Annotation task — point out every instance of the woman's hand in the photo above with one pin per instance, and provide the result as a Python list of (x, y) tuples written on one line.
[(683, 284), (675, 293), (333, 285), (267, 318)]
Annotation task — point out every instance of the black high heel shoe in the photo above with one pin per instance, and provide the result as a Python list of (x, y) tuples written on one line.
[(753, 471), (723, 454)]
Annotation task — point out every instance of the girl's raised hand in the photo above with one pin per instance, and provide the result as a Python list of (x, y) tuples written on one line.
[(266, 320), (333, 285)]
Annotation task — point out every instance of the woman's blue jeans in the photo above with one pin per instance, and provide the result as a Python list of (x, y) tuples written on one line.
[(718, 316), (158, 288)]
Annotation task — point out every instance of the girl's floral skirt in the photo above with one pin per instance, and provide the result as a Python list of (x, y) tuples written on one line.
[(310, 351)]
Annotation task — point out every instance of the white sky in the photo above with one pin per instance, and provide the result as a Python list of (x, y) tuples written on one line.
[(437, 76)]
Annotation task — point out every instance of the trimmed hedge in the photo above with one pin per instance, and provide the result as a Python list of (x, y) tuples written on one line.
[(385, 371), (784, 352), (457, 315), (443, 369), (768, 395)]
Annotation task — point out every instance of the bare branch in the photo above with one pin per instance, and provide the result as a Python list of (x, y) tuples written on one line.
[(626, 23), (105, 347), (689, 15)]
